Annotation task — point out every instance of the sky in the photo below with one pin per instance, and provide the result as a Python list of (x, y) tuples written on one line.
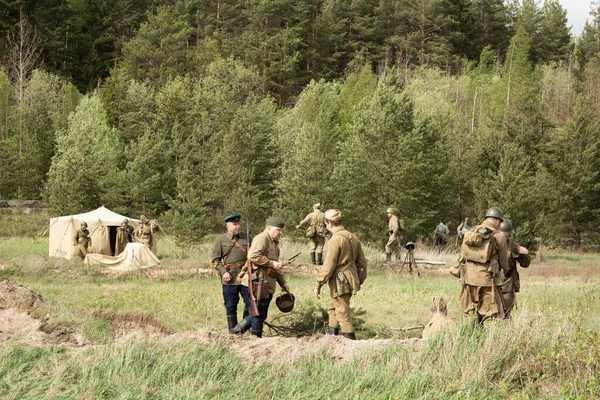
[(577, 12)]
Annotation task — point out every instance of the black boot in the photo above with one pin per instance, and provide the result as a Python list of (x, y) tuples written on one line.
[(231, 322), (320, 258), (333, 331), (242, 327), (349, 335), (312, 257), (257, 333), (246, 313)]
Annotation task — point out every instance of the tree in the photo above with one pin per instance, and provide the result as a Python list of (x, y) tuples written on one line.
[(553, 42), (84, 172)]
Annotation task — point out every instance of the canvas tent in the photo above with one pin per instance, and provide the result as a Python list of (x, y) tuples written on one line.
[(135, 256), (102, 224)]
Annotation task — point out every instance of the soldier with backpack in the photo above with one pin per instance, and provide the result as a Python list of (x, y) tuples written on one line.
[(315, 233)]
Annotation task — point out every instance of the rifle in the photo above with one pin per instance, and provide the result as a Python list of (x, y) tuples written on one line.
[(248, 267), (273, 274)]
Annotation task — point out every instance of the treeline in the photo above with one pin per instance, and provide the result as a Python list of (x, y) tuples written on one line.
[(190, 130)]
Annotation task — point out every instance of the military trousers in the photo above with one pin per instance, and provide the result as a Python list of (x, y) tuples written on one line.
[(231, 298), (477, 302), (510, 299), (81, 251), (263, 310), (339, 312), (316, 244), (393, 246)]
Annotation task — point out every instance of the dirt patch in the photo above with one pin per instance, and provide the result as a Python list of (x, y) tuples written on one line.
[(282, 350), (123, 325), (19, 323)]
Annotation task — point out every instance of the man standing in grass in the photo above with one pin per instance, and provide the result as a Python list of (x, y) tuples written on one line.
[(485, 251), (124, 236), (316, 233), (82, 241), (463, 228), (228, 258), (264, 255), (345, 269), (395, 228), (144, 233), (511, 283), (441, 235)]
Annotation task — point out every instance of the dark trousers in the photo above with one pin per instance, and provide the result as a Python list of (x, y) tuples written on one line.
[(263, 310), (231, 297)]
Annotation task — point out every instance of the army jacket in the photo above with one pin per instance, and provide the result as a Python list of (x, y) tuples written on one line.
[(263, 251), (511, 281), (442, 229), (229, 255), (344, 264), (477, 274), (316, 219), (144, 232), (462, 228), (124, 236), (82, 233), (394, 226)]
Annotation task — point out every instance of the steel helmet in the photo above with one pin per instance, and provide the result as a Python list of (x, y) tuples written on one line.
[(494, 212), (83, 225), (285, 302), (506, 227)]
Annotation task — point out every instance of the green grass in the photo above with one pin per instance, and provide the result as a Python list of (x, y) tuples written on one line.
[(550, 350)]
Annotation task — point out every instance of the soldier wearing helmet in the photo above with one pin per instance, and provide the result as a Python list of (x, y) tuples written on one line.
[(145, 233), (395, 229), (511, 283), (82, 241), (315, 233), (124, 236), (484, 252)]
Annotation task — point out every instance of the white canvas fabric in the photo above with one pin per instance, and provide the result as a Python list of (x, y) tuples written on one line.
[(134, 257), (60, 243)]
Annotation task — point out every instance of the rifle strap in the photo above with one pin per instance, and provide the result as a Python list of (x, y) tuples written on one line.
[(236, 244)]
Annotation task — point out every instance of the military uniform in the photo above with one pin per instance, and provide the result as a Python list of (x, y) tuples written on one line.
[(82, 242), (263, 252), (229, 255), (511, 283), (441, 234), (124, 236), (144, 233), (316, 233), (344, 269), (476, 295), (463, 228)]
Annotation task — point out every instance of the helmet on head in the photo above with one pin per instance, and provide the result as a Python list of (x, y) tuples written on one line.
[(506, 227), (390, 210), (285, 302), (125, 221), (83, 225), (494, 212)]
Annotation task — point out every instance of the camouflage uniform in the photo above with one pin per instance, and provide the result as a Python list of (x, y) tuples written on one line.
[(476, 295), (511, 283), (124, 236), (393, 245), (344, 269), (316, 233), (82, 242)]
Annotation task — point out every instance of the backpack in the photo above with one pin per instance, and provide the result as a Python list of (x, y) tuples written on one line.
[(477, 246)]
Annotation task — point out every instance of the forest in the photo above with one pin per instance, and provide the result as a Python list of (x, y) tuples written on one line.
[(187, 111)]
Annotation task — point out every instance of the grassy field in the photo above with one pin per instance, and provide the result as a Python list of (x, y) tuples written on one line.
[(550, 350)]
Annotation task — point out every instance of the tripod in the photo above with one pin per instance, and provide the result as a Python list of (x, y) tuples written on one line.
[(410, 260)]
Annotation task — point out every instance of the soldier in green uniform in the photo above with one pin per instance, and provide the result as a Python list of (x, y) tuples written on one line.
[(82, 241), (463, 228), (484, 252), (441, 235), (511, 284), (228, 258), (316, 233), (345, 269), (144, 233), (124, 236), (264, 256), (395, 228)]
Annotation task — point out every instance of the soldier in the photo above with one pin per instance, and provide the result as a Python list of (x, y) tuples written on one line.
[(484, 252), (264, 255), (441, 235), (395, 228), (345, 269), (124, 236), (316, 233), (82, 241), (228, 258), (439, 318), (462, 229), (144, 233), (511, 283)]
